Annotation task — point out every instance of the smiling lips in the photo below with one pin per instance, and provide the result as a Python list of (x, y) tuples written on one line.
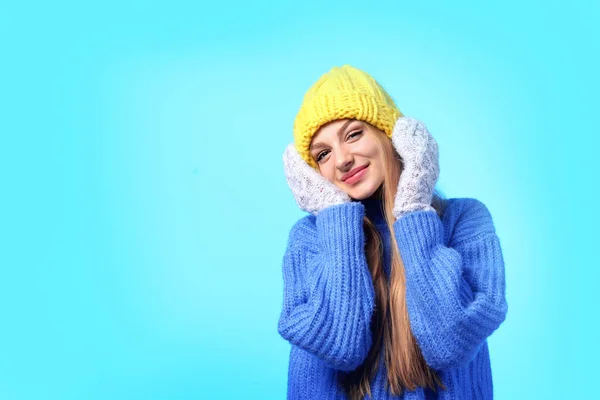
[(356, 176)]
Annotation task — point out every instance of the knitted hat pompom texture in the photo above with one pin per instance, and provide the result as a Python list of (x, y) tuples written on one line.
[(343, 92)]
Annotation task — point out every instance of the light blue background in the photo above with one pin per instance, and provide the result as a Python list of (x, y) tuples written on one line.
[(145, 210)]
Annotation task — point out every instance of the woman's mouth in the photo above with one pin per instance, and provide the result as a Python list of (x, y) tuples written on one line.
[(356, 177)]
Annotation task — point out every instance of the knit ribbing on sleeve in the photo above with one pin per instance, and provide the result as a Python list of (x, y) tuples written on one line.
[(328, 290), (455, 295)]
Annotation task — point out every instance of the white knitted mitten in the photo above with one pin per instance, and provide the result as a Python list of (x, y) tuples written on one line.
[(419, 152), (312, 191)]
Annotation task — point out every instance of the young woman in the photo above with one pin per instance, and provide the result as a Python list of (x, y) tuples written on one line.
[(390, 290)]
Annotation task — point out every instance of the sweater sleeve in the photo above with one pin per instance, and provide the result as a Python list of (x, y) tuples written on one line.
[(455, 295), (328, 290)]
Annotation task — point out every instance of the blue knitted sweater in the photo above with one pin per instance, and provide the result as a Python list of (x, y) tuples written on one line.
[(455, 295)]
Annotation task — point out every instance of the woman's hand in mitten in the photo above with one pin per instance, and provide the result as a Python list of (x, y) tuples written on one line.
[(419, 152), (312, 191)]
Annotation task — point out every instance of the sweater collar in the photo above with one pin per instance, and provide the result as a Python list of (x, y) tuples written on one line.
[(374, 209)]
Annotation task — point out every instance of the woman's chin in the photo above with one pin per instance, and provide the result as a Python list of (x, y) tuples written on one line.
[(365, 193)]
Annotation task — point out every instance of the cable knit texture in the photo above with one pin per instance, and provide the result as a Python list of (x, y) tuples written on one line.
[(419, 152), (455, 297)]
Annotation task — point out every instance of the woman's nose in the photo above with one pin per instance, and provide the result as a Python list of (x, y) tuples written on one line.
[(344, 159)]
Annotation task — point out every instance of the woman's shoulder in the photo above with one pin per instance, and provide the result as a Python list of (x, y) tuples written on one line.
[(467, 218), (462, 204)]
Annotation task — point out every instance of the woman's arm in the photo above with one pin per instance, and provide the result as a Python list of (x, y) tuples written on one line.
[(455, 295), (328, 289)]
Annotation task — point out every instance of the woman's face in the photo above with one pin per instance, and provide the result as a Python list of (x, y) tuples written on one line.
[(343, 146)]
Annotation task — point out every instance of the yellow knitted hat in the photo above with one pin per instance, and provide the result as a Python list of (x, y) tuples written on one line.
[(343, 92)]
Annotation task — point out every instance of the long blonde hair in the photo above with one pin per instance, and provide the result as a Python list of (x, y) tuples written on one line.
[(390, 325)]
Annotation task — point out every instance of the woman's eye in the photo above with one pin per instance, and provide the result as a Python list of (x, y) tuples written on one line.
[(353, 134), (320, 154)]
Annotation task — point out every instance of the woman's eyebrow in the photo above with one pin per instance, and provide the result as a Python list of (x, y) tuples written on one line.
[(342, 128)]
